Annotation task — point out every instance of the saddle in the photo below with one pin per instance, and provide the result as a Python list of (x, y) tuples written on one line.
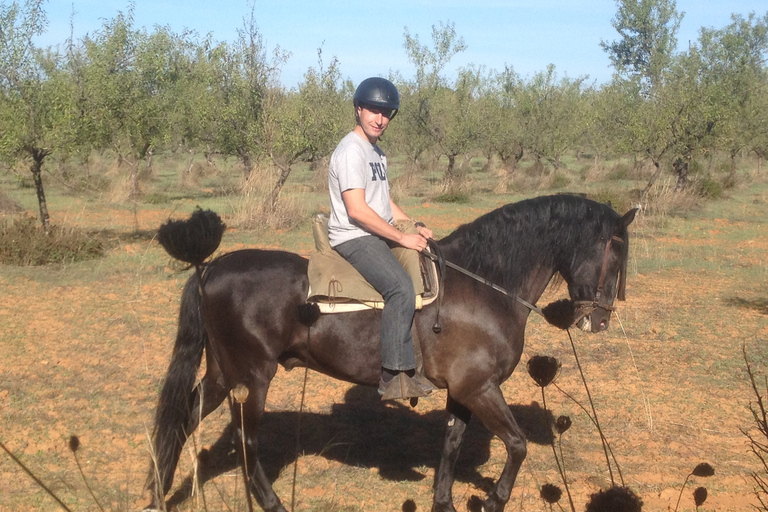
[(337, 287)]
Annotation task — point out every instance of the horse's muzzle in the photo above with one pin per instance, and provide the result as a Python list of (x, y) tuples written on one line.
[(597, 320)]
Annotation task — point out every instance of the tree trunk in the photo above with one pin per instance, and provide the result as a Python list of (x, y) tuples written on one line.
[(38, 156), (285, 171), (247, 161), (450, 176), (148, 162), (185, 174), (680, 167), (135, 193), (209, 160), (651, 182), (509, 164)]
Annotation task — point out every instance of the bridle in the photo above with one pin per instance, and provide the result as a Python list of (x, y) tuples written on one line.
[(585, 308)]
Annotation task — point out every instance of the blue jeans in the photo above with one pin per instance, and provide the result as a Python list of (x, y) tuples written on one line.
[(372, 257)]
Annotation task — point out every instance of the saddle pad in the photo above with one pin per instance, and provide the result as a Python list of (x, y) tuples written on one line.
[(336, 286)]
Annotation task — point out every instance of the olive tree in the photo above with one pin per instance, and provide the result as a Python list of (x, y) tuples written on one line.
[(35, 100), (305, 125), (648, 39), (732, 61), (435, 110), (551, 116)]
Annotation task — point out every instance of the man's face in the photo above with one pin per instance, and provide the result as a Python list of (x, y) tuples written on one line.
[(373, 121)]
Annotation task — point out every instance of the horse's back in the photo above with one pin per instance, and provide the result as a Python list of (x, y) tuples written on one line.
[(252, 298)]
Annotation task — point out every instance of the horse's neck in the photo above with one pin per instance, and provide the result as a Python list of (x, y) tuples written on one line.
[(533, 287)]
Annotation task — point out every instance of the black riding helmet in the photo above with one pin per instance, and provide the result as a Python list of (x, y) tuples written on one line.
[(377, 92)]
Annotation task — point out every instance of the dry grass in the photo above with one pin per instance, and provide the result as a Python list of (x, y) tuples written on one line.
[(253, 208)]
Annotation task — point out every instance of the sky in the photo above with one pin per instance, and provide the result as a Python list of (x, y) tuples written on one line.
[(367, 37)]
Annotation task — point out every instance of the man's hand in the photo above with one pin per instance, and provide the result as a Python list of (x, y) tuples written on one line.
[(414, 241), (424, 230)]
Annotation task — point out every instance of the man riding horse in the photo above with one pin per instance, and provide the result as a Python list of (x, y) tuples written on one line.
[(361, 230)]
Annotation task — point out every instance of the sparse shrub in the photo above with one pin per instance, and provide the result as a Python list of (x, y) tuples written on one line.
[(620, 171), (559, 180), (24, 243), (156, 198), (454, 196), (254, 208), (8, 205), (708, 187), (663, 200), (620, 200)]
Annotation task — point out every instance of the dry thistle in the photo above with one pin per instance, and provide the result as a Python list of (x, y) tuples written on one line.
[(543, 369), (703, 469), (240, 393), (74, 445), (550, 493), (562, 424), (700, 496), (561, 313), (614, 499)]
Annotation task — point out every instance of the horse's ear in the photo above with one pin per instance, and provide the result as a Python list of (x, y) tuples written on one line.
[(628, 217)]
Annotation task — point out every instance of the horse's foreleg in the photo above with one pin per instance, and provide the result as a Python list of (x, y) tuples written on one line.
[(457, 419), (492, 410), (246, 417)]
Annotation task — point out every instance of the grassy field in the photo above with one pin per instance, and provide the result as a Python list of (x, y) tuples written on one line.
[(84, 347)]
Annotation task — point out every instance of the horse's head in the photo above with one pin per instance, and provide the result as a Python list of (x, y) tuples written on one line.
[(600, 277)]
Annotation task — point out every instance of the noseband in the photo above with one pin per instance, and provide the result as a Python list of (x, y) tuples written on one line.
[(587, 307)]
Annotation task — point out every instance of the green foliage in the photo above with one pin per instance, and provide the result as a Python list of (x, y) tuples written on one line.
[(708, 187), (24, 243), (648, 40)]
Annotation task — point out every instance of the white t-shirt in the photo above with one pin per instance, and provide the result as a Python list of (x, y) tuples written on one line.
[(356, 163)]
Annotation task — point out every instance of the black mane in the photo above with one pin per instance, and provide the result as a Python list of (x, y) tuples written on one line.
[(507, 244)]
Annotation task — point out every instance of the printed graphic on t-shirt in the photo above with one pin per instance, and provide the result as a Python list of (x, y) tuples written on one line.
[(379, 171)]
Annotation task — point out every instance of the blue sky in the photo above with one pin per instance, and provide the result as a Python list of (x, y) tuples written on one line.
[(367, 37)]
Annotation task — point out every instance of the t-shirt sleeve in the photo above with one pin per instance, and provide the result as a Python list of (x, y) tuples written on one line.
[(352, 171)]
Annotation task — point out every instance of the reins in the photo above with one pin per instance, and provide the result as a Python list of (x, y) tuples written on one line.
[(442, 263)]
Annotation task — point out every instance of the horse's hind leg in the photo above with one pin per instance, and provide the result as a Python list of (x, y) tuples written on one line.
[(492, 410), (456, 423), (246, 417)]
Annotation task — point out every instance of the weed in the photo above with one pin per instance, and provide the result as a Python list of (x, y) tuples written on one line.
[(700, 494), (24, 243), (758, 442)]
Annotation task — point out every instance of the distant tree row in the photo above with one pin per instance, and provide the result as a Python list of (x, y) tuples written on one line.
[(134, 94)]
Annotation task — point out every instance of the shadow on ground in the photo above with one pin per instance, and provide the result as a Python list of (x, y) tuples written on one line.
[(759, 305), (363, 431)]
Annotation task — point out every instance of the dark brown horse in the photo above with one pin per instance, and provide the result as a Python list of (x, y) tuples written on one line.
[(247, 311)]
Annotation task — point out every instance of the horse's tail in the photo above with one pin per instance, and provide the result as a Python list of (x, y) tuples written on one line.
[(191, 241), (177, 399)]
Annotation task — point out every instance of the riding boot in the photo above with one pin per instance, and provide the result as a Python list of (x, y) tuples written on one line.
[(400, 387)]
